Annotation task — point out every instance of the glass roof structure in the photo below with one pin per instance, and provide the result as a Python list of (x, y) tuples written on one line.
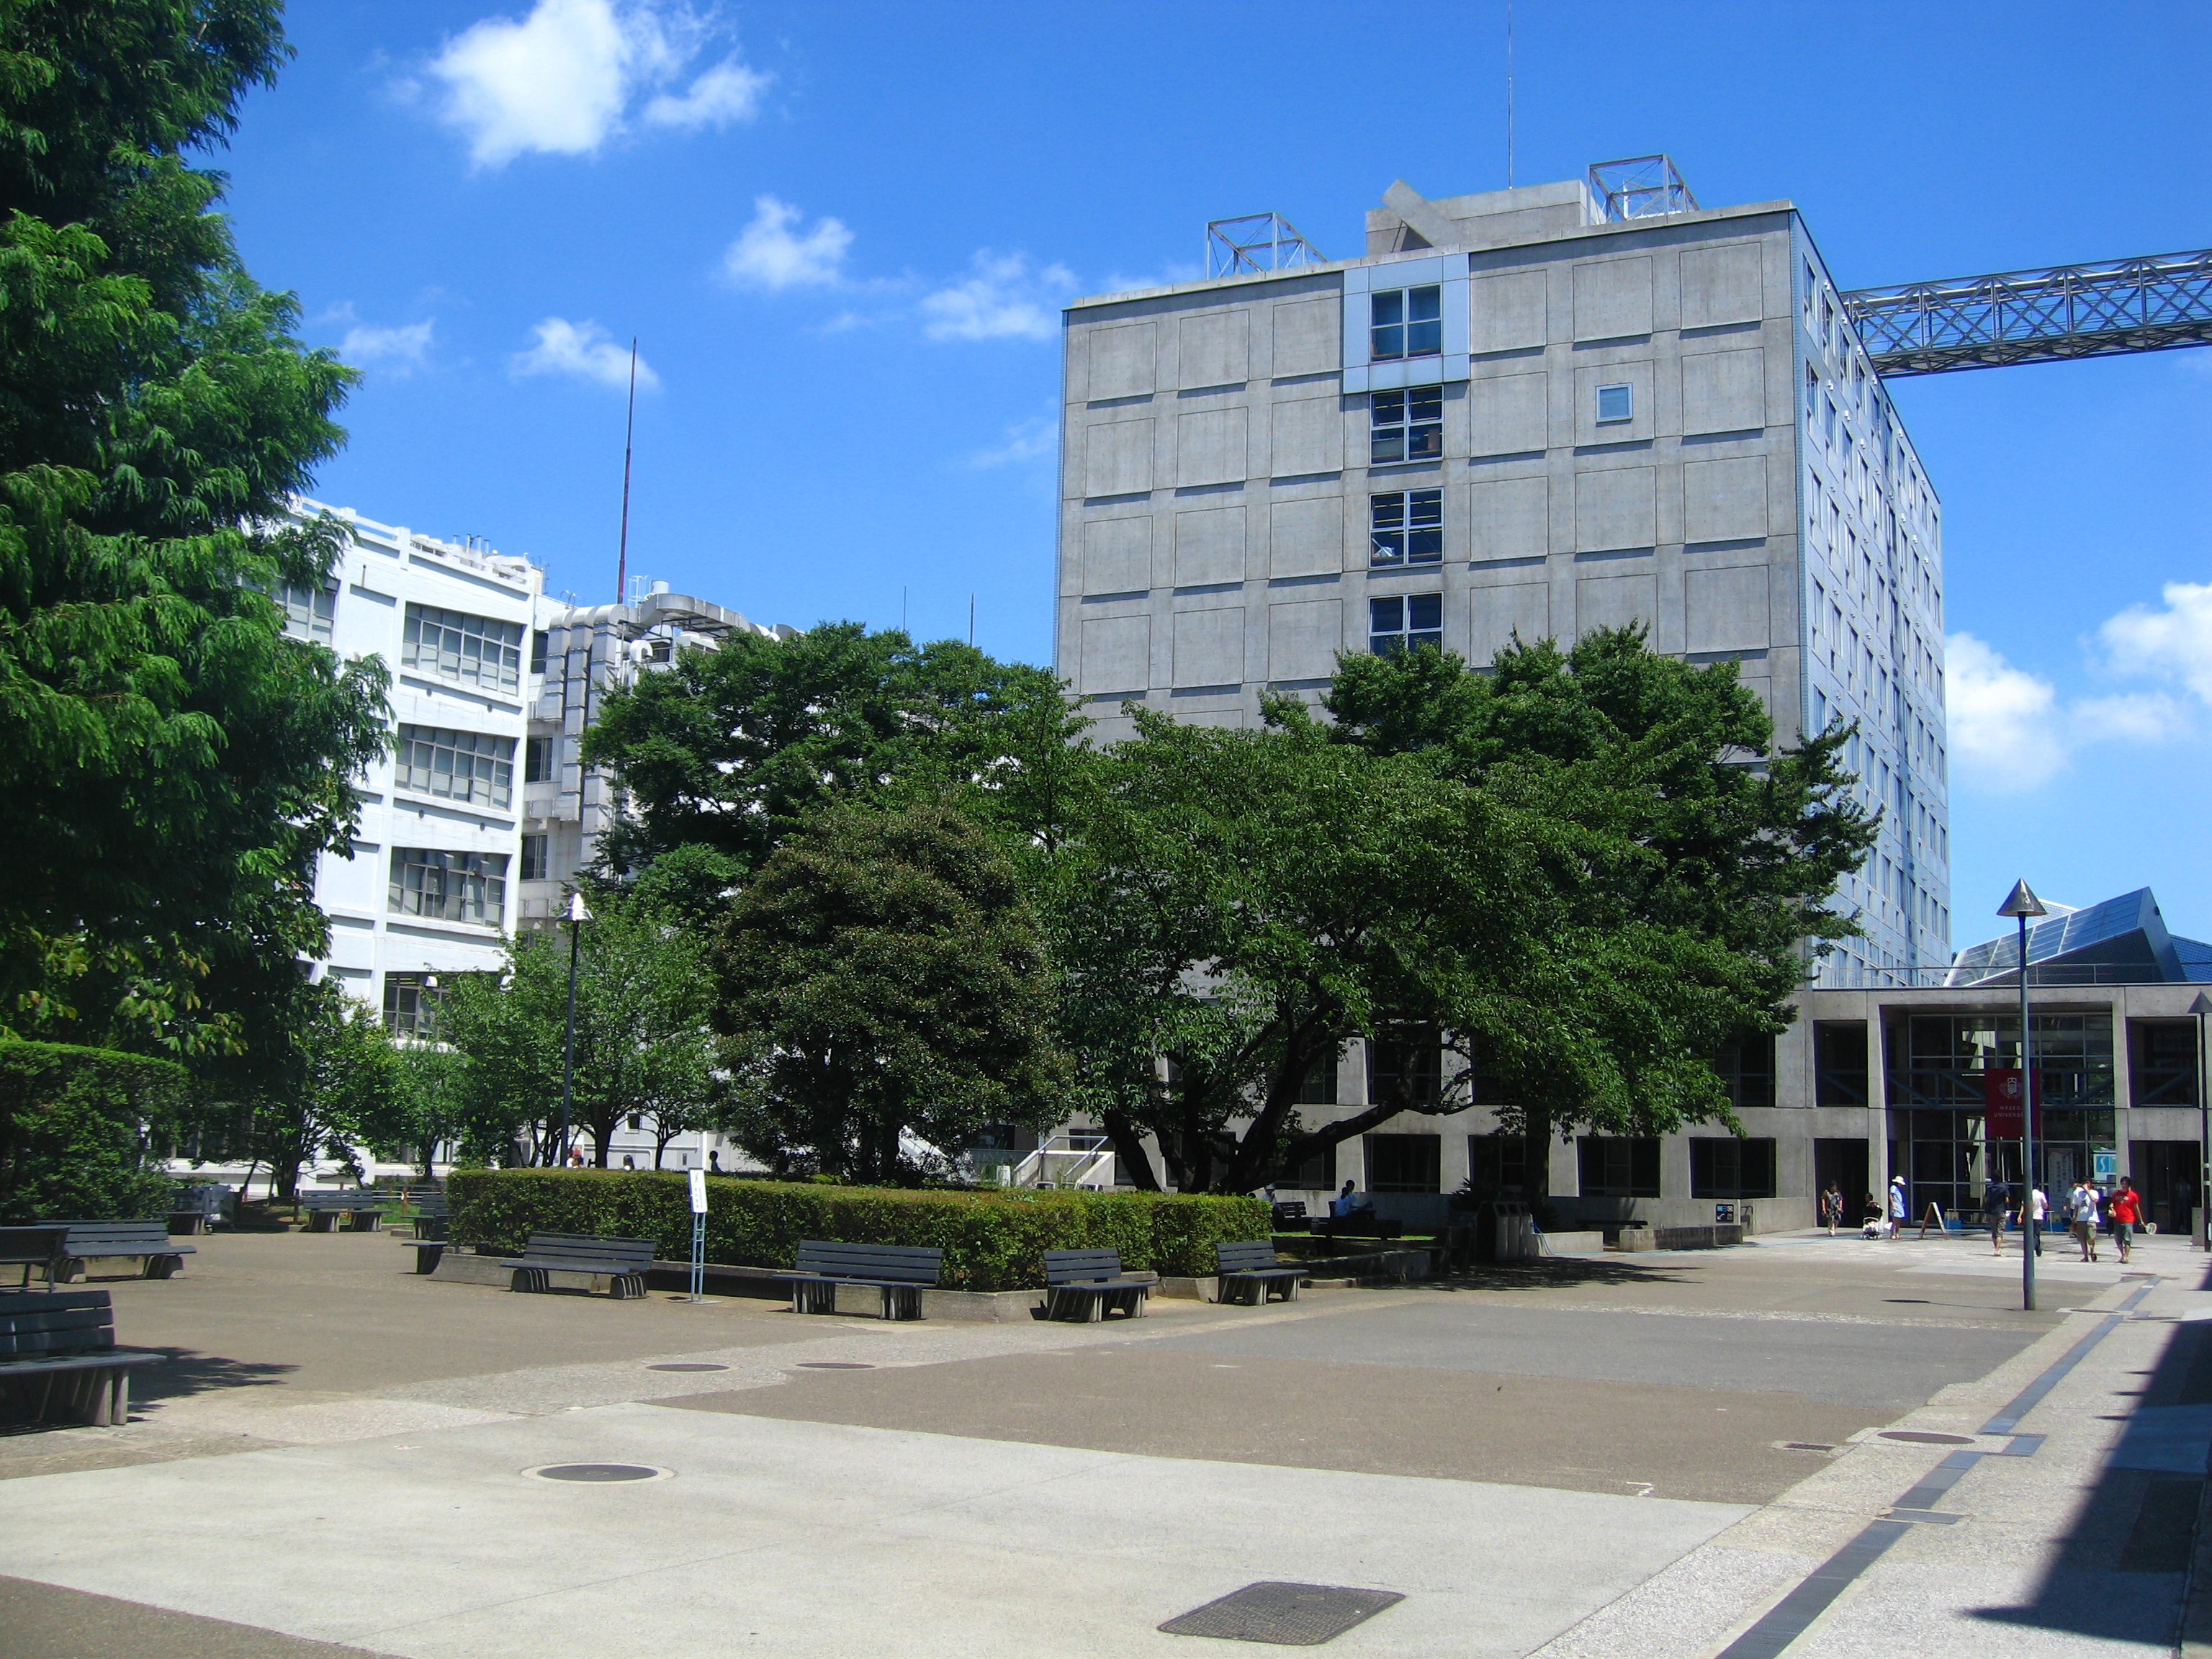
[(2122, 940)]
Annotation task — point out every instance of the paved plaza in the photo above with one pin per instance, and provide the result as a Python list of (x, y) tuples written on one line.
[(1659, 1455)]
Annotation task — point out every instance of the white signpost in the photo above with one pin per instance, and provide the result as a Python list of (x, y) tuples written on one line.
[(698, 1235)]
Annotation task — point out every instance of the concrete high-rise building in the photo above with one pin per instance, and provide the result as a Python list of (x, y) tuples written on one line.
[(1531, 412)]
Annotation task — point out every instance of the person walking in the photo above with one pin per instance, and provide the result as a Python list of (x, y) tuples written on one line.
[(1897, 1210), (1997, 1204), (1831, 1207), (2127, 1216), (2033, 1209), (2083, 1210)]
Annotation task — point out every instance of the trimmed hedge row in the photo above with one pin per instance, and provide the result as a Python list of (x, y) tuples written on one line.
[(992, 1240), (74, 1131)]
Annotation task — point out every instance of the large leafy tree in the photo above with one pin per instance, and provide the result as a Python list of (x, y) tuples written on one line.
[(882, 982), (170, 763), (1585, 873), (733, 749)]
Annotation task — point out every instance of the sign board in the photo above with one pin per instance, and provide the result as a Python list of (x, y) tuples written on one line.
[(698, 1192), (2104, 1165), (2002, 1087)]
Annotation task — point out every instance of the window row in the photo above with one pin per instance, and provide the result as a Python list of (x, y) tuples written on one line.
[(479, 650), (309, 612), (442, 886), (1609, 1166), (474, 767)]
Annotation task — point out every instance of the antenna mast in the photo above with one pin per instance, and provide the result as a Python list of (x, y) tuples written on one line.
[(629, 428), (1508, 94)]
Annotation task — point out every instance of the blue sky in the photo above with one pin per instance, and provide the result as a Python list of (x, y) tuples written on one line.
[(841, 233)]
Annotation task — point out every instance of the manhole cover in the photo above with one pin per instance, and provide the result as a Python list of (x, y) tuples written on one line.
[(1923, 1437), (687, 1365), (1806, 1445), (599, 1474), (1289, 1615), (835, 1365)]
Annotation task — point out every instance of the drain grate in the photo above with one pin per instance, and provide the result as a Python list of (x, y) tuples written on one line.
[(835, 1365), (687, 1365), (599, 1474), (1806, 1445), (1925, 1437), (1288, 1615)]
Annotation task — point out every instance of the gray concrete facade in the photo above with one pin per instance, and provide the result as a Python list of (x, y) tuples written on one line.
[(1662, 419)]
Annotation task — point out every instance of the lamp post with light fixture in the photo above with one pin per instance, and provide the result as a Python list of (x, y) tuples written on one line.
[(2201, 1007), (2020, 904), (578, 914)]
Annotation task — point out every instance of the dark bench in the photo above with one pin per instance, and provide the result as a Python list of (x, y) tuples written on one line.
[(98, 1240), (622, 1261), (1254, 1270), (432, 1215), (199, 1205), (1087, 1284), (1365, 1224), (361, 1206), (1290, 1216), (59, 1361), (901, 1272), (33, 1247)]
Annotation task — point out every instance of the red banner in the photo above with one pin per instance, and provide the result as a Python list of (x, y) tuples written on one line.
[(2003, 1089)]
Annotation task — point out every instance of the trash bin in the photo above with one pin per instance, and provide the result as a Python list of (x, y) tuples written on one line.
[(1504, 1231)]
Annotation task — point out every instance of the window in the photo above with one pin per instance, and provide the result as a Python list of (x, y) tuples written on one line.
[(1499, 1165), (308, 611), (1405, 1163), (1407, 426), (1746, 1070), (467, 766), (1839, 1062), (411, 1004), (538, 642), (439, 886), (637, 1120), (537, 760), (1620, 1166), (1408, 527), (475, 650), (1406, 1064), (1616, 404), (1406, 322), (533, 857), (1725, 1167), (1402, 623), (1319, 1088), (2164, 1063)]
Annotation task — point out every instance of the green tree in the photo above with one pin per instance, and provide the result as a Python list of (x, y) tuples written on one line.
[(642, 1045), (1583, 874), (883, 977), (733, 749), (80, 1129), (170, 763), (344, 1079)]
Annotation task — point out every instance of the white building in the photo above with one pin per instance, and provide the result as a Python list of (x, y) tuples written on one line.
[(475, 823)]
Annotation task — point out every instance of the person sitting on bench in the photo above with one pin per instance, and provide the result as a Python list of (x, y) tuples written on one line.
[(1351, 1202)]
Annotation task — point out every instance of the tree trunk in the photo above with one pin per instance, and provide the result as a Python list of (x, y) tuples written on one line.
[(1129, 1148)]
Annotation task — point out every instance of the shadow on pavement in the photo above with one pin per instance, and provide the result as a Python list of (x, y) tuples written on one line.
[(1549, 1275), (187, 1371), (2122, 1566)]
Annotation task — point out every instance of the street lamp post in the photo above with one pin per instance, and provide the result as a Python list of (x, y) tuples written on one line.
[(2201, 1007), (578, 914), (2020, 904)]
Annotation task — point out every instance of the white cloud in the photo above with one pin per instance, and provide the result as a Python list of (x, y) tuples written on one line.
[(2173, 644), (583, 351), (401, 350), (769, 254), (1001, 298), (560, 79), (1028, 441), (2000, 717), (728, 91)]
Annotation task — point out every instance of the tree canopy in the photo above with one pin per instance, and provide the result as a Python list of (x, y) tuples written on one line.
[(170, 763)]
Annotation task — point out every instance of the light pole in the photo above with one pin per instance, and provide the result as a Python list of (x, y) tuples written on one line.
[(578, 914), (2020, 904), (2201, 1007)]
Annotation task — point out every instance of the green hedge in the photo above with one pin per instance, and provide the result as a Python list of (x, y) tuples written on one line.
[(992, 1240), (74, 1127)]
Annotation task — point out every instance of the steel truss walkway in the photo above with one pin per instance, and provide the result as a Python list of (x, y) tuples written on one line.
[(2151, 304)]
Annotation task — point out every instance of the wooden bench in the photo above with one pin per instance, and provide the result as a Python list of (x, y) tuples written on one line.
[(433, 1216), (1365, 1224), (199, 1205), (428, 1252), (1290, 1217), (1087, 1284), (622, 1261), (59, 1361), (33, 1247), (100, 1241), (901, 1272), (361, 1206), (1253, 1269)]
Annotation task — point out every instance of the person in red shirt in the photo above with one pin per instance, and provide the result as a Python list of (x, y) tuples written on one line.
[(2127, 1215)]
